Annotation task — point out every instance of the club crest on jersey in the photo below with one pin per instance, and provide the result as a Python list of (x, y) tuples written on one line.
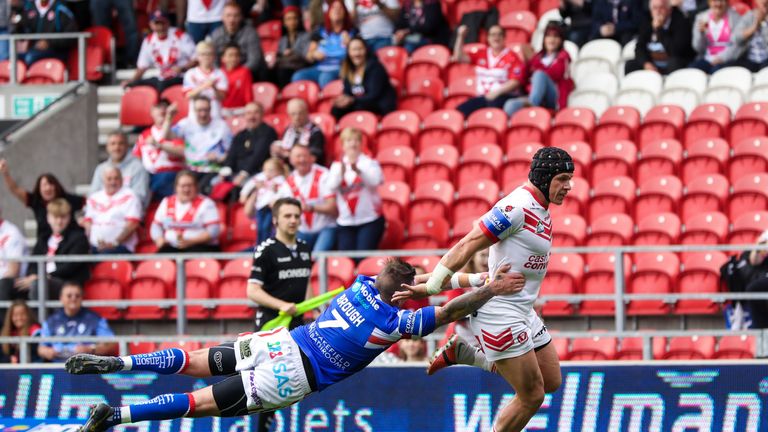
[(539, 228), (508, 208)]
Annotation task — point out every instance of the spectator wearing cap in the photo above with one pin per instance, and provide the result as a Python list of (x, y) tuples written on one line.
[(421, 23), (550, 81), (203, 17), (712, 40), (664, 42), (167, 49), (234, 31), (101, 11), (376, 20), (133, 173), (751, 38), (616, 19), (366, 83), (301, 131), (46, 16)]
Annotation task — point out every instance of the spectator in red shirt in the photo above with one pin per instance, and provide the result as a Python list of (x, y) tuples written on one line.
[(550, 82), (240, 90), (500, 72)]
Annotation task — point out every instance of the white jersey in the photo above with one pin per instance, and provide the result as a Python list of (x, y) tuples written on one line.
[(267, 193), (200, 141), (176, 49), (521, 229), (109, 215), (11, 245), (204, 11), (196, 77), (175, 220), (357, 195), (310, 189)]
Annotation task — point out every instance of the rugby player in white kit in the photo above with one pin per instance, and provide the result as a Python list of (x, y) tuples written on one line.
[(513, 340)]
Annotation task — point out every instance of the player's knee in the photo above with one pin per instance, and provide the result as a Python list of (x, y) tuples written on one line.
[(533, 397)]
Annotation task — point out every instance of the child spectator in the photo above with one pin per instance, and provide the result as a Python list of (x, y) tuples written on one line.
[(260, 192)]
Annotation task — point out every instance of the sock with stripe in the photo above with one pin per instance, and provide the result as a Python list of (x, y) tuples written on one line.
[(166, 362), (471, 355), (164, 407)]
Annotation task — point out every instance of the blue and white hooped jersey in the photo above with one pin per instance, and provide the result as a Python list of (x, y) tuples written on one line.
[(355, 328)]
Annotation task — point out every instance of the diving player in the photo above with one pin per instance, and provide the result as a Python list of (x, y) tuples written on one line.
[(279, 368)]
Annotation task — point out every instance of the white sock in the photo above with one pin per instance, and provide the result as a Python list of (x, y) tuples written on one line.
[(471, 355), (127, 363)]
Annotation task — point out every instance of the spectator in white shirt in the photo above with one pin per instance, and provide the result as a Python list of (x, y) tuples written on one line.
[(133, 172), (355, 179), (11, 245), (203, 17), (186, 221), (376, 20), (260, 192), (167, 49), (308, 183), (206, 79), (162, 158), (112, 216)]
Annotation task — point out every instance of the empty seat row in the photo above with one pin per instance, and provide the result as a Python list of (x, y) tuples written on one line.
[(694, 347)]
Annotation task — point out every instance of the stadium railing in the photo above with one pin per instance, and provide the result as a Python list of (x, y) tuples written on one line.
[(13, 55)]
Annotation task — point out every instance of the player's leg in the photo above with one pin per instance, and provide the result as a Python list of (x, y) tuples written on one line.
[(219, 360), (549, 365), (459, 351), (525, 377)]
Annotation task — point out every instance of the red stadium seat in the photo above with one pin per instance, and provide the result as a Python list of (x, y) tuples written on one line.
[(662, 122), (460, 72), (395, 199), (507, 6), (660, 157), (704, 194), (436, 163), (233, 283), (328, 94), (701, 274), (546, 5), (655, 273), (459, 90), (427, 233), (326, 123), (202, 283), (657, 229), (371, 266), (564, 273), (750, 193), (461, 228), (175, 94), (21, 70), (484, 126), (569, 230), (365, 121), (474, 198), (479, 162), (341, 272), (572, 124), (94, 64), (394, 59), (46, 71), (515, 171), (528, 125), (616, 123), (421, 105), (109, 281), (747, 227), (244, 233), (612, 159), (576, 201), (632, 348), (467, 6), (519, 26), (441, 127), (396, 163), (611, 195), (431, 199), (279, 122), (426, 262), (611, 230), (561, 346), (103, 38), (705, 228), (265, 93), (271, 29), (599, 279), (140, 347), (751, 120), (736, 347), (596, 348), (398, 128), (707, 121), (438, 55), (153, 280), (581, 153), (306, 90), (707, 156), (134, 106), (422, 84), (690, 348), (658, 195), (184, 345), (749, 157), (393, 234)]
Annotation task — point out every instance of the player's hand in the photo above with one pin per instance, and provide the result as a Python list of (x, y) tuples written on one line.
[(462, 31), (4, 167), (417, 291), (505, 282), (288, 309)]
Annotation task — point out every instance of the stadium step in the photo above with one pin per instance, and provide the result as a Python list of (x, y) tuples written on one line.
[(108, 109), (108, 124)]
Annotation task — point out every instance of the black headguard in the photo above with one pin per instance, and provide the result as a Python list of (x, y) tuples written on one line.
[(546, 164)]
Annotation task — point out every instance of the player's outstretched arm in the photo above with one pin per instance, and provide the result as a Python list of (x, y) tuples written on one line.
[(503, 283), (456, 258)]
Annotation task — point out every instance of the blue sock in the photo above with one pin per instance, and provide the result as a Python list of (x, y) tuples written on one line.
[(165, 362), (163, 407)]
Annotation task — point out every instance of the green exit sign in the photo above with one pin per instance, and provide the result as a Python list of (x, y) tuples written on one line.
[(25, 106)]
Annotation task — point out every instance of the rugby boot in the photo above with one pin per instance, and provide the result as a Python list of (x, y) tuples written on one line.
[(444, 356), (98, 419), (81, 364)]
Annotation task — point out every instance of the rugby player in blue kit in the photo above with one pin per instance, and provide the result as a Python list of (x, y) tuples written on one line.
[(278, 368)]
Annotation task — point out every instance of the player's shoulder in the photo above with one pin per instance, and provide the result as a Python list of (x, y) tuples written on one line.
[(263, 247)]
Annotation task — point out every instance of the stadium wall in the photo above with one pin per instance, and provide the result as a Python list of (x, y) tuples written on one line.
[(650, 396), (62, 140)]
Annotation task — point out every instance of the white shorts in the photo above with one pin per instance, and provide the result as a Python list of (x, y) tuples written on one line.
[(271, 368), (503, 335)]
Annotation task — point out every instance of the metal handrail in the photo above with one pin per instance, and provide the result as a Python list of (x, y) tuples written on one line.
[(80, 36), (4, 138)]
